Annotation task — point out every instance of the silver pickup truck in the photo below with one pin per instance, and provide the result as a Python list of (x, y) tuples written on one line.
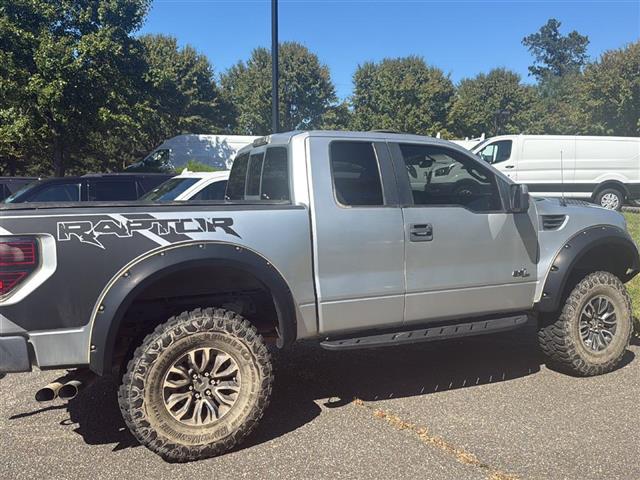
[(358, 240)]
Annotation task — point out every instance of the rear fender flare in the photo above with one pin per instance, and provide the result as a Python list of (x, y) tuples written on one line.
[(135, 277)]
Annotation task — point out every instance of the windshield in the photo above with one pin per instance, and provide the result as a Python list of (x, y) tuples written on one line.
[(19, 192), (170, 190)]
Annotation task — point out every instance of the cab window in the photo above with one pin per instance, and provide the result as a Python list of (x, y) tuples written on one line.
[(58, 193), (260, 176), (442, 176), (355, 174), (496, 152)]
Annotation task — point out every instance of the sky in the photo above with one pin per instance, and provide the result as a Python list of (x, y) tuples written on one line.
[(462, 37)]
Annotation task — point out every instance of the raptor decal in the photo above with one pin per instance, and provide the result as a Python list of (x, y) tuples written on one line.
[(89, 232)]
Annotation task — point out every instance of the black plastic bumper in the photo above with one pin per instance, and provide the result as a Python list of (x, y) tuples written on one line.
[(14, 355)]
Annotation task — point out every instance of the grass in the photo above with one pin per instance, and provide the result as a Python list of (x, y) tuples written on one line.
[(633, 224)]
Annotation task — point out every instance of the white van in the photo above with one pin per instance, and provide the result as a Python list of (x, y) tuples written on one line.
[(605, 170), (216, 151)]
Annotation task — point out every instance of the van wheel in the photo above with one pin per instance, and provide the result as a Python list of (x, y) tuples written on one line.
[(592, 333), (610, 198), (197, 385)]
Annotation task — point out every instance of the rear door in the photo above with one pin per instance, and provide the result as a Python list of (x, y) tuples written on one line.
[(358, 234), (465, 255)]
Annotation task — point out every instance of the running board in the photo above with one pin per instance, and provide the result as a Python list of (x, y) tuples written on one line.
[(479, 327)]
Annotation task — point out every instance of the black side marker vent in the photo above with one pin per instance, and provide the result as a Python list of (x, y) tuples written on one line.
[(552, 222)]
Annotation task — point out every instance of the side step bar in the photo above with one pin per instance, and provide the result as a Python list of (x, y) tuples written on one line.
[(478, 327)]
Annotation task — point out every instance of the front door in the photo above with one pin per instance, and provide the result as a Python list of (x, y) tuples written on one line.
[(465, 255)]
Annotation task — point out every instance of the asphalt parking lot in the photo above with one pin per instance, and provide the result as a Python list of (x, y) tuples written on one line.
[(483, 408)]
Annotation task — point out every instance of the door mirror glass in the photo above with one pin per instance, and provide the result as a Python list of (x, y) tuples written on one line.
[(519, 198)]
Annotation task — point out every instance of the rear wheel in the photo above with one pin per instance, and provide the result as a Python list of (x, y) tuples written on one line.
[(610, 198), (592, 333), (197, 385)]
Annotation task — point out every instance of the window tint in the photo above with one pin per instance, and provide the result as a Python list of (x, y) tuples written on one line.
[(169, 190), (496, 152), (254, 174), (213, 191), (237, 178), (69, 192), (356, 177), (441, 176), (275, 175), (112, 190)]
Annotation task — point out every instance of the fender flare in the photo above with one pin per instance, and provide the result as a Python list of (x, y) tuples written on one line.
[(574, 250), (136, 276)]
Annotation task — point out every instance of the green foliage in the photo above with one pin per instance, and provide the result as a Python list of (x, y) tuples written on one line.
[(305, 89), (194, 166), (611, 92), (556, 54), (403, 94), (494, 103)]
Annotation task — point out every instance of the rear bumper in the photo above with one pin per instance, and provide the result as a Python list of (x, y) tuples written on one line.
[(14, 355)]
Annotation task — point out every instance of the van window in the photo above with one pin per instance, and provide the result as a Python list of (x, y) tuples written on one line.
[(442, 176), (496, 152), (355, 174), (237, 178)]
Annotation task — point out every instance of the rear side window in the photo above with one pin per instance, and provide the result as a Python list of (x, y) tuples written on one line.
[(355, 174), (69, 192), (112, 190), (237, 178)]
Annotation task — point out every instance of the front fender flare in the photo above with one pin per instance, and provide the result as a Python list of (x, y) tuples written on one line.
[(135, 277), (574, 250)]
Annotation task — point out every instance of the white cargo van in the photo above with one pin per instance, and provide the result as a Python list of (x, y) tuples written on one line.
[(605, 170), (216, 151)]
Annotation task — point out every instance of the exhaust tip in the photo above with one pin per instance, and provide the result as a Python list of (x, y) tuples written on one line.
[(45, 394), (69, 390)]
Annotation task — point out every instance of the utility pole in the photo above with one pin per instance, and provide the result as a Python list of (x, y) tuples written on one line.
[(275, 111)]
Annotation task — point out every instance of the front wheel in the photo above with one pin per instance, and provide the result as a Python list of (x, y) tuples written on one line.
[(593, 331), (197, 385)]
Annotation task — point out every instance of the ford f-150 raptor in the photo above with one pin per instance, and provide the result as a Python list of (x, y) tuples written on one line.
[(358, 240)]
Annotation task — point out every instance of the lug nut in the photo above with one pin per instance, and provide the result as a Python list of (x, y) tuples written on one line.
[(206, 374), (208, 392)]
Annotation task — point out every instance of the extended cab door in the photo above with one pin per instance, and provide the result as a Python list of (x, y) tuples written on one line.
[(465, 254), (358, 234)]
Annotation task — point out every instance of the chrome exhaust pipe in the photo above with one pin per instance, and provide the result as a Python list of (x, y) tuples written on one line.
[(66, 387), (50, 392)]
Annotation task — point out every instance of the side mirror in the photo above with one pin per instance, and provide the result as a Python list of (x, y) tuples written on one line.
[(518, 198)]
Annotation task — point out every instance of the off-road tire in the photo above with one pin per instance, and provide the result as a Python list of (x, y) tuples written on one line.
[(140, 395), (560, 339)]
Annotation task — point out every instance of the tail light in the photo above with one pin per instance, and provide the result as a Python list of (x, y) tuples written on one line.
[(18, 260)]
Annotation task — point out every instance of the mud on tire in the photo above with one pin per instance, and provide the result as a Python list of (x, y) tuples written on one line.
[(562, 342), (143, 393)]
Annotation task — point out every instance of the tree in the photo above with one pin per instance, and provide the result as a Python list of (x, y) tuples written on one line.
[(611, 92), (556, 54), (74, 62), (403, 94), (493, 103), (305, 89)]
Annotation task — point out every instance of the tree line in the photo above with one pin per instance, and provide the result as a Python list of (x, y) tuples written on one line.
[(79, 91)]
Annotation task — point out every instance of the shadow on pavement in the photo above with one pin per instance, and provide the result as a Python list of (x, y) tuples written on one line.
[(307, 377)]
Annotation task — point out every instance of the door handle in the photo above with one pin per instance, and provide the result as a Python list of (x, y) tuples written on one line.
[(421, 232), (508, 166)]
